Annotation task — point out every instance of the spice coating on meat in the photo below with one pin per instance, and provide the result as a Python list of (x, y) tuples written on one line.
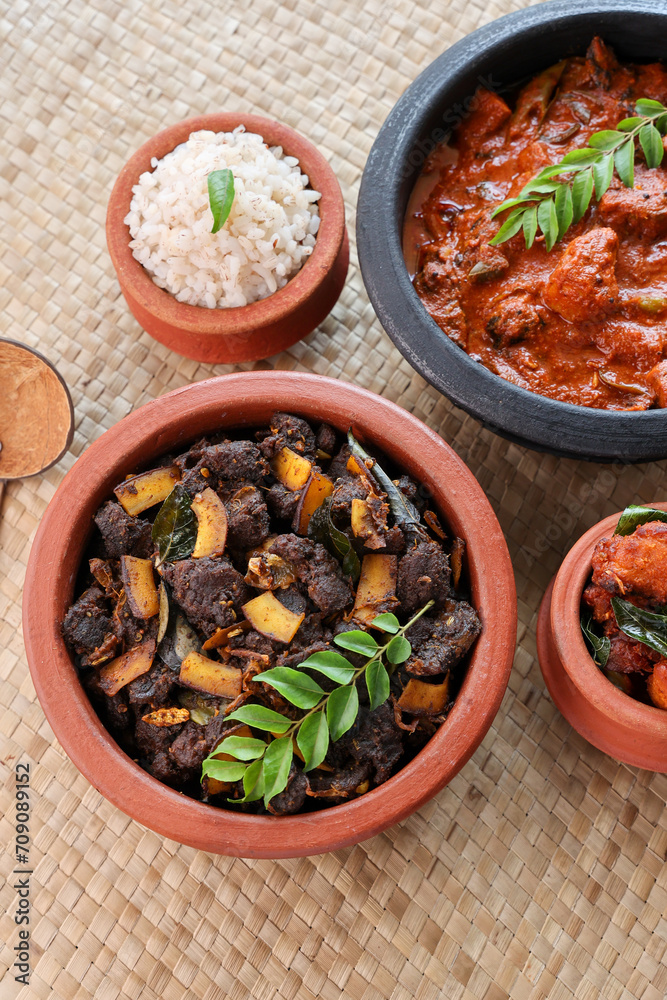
[(423, 575), (327, 587), (123, 535), (209, 590), (87, 623), (228, 462), (283, 502), (289, 432), (325, 439), (439, 643), (634, 564), (374, 739), (152, 690), (247, 517)]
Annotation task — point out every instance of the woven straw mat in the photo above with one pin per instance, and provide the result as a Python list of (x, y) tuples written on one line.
[(539, 872)]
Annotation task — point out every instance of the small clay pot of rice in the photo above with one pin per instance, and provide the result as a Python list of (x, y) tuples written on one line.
[(231, 282)]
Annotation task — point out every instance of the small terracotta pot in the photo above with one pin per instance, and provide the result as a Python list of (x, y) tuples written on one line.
[(169, 424), (612, 721), (243, 333)]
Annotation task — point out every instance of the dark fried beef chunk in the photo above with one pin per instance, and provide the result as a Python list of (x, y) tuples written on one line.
[(394, 542), (228, 462), (283, 502), (325, 439), (374, 738), (423, 575), (209, 590), (152, 690), (347, 489), (164, 768), (319, 571), (293, 797), (410, 489), (130, 630), (190, 458), (152, 739), (340, 784), (247, 517), (113, 708), (123, 535), (87, 623), (439, 643), (338, 465), (189, 749), (289, 432), (293, 599)]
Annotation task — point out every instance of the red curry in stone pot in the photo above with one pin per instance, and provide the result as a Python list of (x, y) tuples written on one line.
[(586, 322)]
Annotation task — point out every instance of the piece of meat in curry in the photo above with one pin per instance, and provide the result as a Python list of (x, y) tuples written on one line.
[(585, 323)]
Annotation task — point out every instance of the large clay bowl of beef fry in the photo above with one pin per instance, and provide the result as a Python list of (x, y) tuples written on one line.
[(602, 636), (511, 227), (258, 637)]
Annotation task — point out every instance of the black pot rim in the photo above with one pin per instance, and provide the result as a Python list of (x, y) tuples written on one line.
[(524, 417)]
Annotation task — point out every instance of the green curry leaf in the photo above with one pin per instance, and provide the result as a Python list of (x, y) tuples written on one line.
[(331, 664), (313, 740), (262, 718), (322, 529), (220, 196), (377, 682), (175, 527), (296, 686), (277, 764), (547, 202), (342, 709), (600, 645), (641, 625), (634, 515)]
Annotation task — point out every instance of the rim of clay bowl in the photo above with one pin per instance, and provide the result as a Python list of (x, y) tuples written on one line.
[(236, 320), (247, 399)]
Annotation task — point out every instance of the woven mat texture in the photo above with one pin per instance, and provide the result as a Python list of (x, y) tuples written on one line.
[(540, 871)]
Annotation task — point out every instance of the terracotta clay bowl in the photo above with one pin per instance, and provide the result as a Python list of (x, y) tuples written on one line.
[(243, 333), (498, 55), (612, 721), (170, 423)]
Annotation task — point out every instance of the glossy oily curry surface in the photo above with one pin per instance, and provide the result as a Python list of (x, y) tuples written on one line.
[(586, 322)]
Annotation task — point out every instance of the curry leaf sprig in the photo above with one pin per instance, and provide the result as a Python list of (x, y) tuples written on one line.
[(220, 196), (553, 206), (264, 767)]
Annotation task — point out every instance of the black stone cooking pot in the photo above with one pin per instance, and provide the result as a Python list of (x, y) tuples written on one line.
[(498, 55)]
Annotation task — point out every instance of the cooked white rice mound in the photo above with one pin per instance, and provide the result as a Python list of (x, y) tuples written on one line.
[(267, 237)]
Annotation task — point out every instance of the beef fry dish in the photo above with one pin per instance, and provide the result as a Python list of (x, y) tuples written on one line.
[(247, 557), (584, 322), (624, 607)]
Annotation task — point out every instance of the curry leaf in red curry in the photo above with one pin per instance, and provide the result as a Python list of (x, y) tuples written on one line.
[(546, 203)]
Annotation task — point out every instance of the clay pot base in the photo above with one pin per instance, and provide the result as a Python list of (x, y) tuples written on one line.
[(589, 720), (36, 415)]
